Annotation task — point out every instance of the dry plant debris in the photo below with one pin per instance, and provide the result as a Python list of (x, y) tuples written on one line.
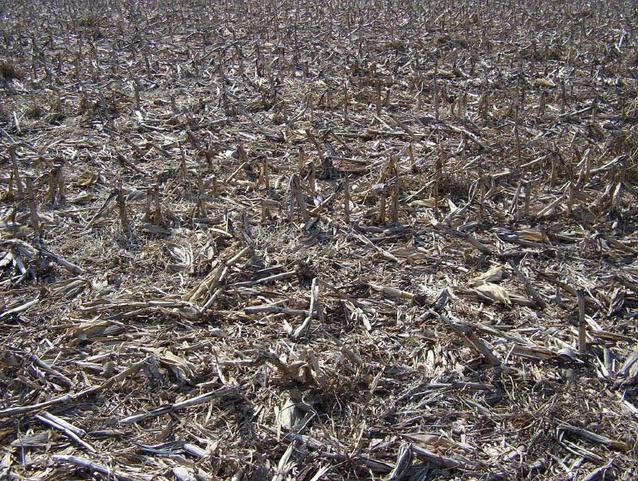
[(318, 240)]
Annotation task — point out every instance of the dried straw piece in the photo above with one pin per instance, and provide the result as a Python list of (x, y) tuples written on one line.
[(67, 429), (314, 311), (93, 467), (175, 407), (70, 398)]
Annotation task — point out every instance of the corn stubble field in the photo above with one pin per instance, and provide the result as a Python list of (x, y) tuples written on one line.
[(309, 240)]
